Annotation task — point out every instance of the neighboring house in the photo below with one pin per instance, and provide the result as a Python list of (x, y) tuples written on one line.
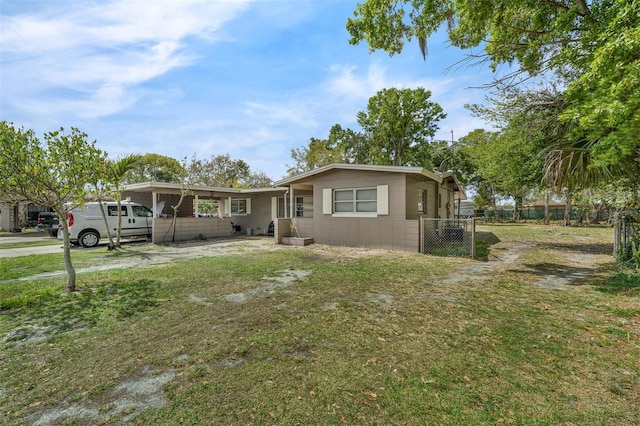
[(9, 217), (464, 209), (15, 215), (339, 204), (365, 206)]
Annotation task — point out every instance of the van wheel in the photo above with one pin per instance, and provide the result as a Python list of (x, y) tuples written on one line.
[(89, 239)]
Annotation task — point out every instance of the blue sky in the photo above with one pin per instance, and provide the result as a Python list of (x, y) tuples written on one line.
[(252, 79)]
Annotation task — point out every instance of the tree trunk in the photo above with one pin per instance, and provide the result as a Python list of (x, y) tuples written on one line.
[(71, 272), (106, 225), (567, 210), (517, 206), (175, 215), (546, 207), (119, 227)]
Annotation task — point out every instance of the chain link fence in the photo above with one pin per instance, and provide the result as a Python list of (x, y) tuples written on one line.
[(448, 237)]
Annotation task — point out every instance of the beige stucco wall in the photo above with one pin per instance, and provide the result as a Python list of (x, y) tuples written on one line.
[(413, 186), (190, 228), (393, 231), (260, 216)]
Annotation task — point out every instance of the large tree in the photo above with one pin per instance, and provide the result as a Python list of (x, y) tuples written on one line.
[(593, 47), (219, 170), (398, 122), (155, 168), (50, 174), (341, 146)]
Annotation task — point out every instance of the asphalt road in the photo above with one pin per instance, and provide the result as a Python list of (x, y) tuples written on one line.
[(27, 237)]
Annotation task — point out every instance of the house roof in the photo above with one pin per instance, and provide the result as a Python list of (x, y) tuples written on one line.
[(435, 176), (364, 167), (200, 190)]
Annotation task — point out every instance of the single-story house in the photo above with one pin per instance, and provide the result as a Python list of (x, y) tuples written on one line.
[(338, 204), (366, 206)]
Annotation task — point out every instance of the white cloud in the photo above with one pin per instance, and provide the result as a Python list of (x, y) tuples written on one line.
[(98, 52)]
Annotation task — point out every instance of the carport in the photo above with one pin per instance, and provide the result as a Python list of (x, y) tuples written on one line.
[(238, 210)]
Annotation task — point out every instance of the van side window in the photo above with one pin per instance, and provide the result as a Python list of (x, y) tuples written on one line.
[(141, 211), (113, 210)]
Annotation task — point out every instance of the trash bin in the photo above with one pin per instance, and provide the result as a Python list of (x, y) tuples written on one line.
[(249, 231)]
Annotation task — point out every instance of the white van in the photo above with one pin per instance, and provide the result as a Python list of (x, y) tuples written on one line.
[(86, 224)]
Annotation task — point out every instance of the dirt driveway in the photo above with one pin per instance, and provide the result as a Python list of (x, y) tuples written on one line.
[(149, 255), (505, 255)]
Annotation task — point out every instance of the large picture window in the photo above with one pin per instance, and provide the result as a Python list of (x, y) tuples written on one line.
[(364, 200), (356, 202)]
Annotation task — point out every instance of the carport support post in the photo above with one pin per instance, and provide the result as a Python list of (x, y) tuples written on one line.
[(154, 208), (291, 202)]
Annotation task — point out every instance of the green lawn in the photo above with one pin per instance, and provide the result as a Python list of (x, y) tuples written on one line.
[(321, 335)]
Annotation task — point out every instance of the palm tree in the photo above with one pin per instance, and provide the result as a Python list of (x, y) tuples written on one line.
[(571, 165), (117, 170)]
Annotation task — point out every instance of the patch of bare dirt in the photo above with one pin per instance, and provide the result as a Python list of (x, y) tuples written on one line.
[(501, 254), (120, 404), (269, 285)]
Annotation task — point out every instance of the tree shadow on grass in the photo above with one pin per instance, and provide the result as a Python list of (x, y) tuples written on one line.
[(484, 241), (599, 248), (73, 312), (605, 279)]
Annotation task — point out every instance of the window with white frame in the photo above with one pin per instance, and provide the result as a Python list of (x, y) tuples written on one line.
[(240, 206), (357, 200)]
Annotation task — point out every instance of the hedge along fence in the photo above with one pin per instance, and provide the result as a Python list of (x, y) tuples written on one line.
[(556, 213)]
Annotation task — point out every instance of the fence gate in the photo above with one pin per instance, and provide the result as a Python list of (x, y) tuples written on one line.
[(448, 237), (625, 228)]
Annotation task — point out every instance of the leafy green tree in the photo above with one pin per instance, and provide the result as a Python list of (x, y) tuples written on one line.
[(354, 147), (341, 146), (155, 168), (398, 129), (108, 186), (508, 163), (49, 174), (258, 179), (219, 171), (591, 47), (398, 122), (535, 35)]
